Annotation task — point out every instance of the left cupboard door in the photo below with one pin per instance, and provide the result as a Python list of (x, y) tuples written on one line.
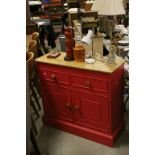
[(56, 102)]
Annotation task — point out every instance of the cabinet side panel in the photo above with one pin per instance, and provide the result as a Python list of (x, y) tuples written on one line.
[(117, 107)]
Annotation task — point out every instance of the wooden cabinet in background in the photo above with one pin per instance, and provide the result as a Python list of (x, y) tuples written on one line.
[(54, 10), (74, 16)]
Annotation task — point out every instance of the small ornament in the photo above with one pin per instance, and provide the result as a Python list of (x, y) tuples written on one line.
[(111, 56)]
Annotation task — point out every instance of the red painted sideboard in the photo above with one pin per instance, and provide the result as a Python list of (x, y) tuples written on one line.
[(83, 99)]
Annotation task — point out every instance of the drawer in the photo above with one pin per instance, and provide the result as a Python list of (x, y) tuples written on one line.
[(93, 84), (55, 77)]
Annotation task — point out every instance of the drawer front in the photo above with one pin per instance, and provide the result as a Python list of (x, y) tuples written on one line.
[(55, 77), (93, 84)]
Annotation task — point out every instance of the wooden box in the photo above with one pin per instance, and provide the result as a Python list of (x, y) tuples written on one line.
[(89, 23), (87, 6)]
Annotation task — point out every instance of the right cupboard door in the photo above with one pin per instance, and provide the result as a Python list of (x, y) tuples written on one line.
[(91, 110)]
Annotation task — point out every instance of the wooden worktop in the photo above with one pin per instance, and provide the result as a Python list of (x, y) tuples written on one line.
[(97, 66)]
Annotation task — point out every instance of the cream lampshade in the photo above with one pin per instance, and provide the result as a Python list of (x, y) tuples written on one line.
[(88, 38), (108, 8)]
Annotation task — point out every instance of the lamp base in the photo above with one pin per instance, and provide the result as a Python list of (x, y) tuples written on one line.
[(107, 37), (68, 59), (90, 60)]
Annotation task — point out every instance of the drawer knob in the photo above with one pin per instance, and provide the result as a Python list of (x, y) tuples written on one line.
[(76, 107), (88, 83), (68, 105), (53, 77)]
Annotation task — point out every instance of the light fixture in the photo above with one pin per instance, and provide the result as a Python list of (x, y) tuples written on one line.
[(88, 39), (109, 8)]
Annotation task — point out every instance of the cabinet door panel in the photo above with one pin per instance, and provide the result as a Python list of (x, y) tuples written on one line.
[(91, 110), (58, 100)]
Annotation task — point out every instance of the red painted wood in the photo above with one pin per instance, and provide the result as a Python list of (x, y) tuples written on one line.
[(92, 112), (55, 77), (93, 84), (94, 135), (85, 103)]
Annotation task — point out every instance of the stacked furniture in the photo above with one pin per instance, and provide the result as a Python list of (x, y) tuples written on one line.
[(72, 3), (35, 7), (73, 15), (89, 23), (54, 10)]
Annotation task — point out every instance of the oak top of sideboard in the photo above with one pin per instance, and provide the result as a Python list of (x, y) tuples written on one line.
[(97, 66)]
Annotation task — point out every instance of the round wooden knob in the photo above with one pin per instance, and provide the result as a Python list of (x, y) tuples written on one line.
[(68, 104), (88, 83), (53, 77), (76, 107)]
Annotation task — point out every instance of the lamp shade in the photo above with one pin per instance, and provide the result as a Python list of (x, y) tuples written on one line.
[(87, 39), (108, 7)]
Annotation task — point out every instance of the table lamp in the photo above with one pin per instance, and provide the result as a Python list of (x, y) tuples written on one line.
[(109, 8), (88, 40)]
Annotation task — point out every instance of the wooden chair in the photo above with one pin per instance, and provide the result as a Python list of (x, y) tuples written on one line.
[(126, 87), (35, 36), (33, 48), (126, 79), (30, 126), (30, 60)]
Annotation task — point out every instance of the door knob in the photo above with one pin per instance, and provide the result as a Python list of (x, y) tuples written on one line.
[(76, 107), (53, 77), (68, 105), (88, 83)]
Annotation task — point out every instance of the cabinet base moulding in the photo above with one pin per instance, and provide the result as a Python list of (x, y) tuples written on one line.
[(99, 137)]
